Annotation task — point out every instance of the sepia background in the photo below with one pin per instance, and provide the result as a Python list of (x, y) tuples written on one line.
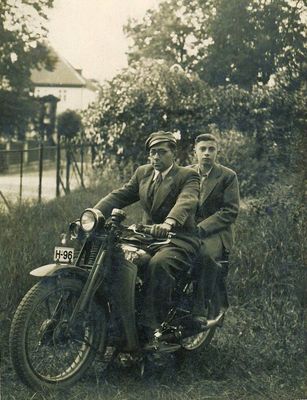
[(82, 85)]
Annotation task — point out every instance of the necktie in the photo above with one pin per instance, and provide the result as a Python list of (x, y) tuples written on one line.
[(155, 185), (203, 180)]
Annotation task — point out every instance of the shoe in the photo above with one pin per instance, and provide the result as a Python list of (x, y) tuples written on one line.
[(217, 321)]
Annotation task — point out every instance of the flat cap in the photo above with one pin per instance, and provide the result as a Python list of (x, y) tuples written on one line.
[(160, 137)]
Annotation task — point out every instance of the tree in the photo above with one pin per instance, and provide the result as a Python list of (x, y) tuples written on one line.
[(69, 124), (243, 42), (22, 34), (252, 41), (166, 33)]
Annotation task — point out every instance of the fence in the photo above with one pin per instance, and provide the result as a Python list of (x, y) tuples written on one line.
[(39, 171)]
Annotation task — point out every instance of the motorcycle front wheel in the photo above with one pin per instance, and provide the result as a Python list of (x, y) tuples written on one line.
[(46, 351)]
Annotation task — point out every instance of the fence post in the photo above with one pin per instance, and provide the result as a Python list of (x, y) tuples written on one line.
[(26, 153), (21, 175), (41, 155), (67, 168), (58, 167), (8, 148), (82, 161)]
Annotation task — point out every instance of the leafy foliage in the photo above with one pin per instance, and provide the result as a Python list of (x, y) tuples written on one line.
[(144, 98), (252, 41), (16, 110), (22, 33), (166, 33), (69, 124), (241, 42), (258, 127)]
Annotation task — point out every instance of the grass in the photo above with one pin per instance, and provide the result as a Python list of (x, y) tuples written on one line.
[(258, 354)]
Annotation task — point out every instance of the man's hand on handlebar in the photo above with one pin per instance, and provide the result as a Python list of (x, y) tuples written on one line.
[(160, 230)]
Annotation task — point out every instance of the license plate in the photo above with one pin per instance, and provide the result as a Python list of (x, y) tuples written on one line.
[(63, 254)]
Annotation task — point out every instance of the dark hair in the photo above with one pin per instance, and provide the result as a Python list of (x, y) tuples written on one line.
[(204, 137)]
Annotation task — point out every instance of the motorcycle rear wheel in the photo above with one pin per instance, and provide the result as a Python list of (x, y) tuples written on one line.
[(200, 340), (46, 353)]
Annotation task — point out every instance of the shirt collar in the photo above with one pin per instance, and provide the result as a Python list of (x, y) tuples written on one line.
[(206, 174), (164, 173)]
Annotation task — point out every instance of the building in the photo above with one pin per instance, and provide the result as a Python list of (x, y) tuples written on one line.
[(73, 90)]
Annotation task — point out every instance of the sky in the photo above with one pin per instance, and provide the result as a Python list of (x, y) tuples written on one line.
[(89, 34)]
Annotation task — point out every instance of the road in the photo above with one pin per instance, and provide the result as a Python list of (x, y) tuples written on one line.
[(10, 185)]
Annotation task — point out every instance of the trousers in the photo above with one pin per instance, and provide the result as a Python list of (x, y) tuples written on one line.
[(211, 249), (164, 268)]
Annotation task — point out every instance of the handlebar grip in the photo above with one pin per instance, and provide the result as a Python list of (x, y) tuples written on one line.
[(147, 230)]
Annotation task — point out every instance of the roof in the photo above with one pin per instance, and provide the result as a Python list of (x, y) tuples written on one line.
[(63, 74), (92, 84)]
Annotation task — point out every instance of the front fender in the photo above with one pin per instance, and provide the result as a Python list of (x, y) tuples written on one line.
[(51, 269)]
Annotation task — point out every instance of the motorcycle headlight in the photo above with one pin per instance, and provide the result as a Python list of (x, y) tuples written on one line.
[(91, 218)]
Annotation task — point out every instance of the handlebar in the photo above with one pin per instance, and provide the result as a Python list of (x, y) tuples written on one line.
[(147, 230)]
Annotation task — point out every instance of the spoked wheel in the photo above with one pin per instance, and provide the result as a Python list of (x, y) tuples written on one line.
[(200, 340), (46, 351)]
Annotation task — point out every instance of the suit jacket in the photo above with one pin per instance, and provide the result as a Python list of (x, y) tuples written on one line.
[(219, 204), (176, 197)]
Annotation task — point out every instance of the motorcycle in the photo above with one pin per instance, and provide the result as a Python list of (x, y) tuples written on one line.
[(89, 302)]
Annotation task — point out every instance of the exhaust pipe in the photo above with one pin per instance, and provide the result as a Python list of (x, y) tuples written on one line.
[(218, 321), (182, 334)]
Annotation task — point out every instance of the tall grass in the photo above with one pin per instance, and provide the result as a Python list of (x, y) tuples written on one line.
[(259, 351)]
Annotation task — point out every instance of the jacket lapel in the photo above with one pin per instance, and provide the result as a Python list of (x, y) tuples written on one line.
[(144, 188), (164, 189), (210, 183)]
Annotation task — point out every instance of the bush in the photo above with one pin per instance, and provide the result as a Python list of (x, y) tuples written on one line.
[(267, 123)]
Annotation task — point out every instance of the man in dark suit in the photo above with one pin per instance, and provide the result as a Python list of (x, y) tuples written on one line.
[(217, 211), (168, 195)]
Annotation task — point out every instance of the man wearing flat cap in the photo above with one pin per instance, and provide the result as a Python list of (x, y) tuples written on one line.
[(168, 195), (217, 211)]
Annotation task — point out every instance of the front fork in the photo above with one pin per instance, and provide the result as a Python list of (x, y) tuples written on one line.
[(92, 283), (95, 278)]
